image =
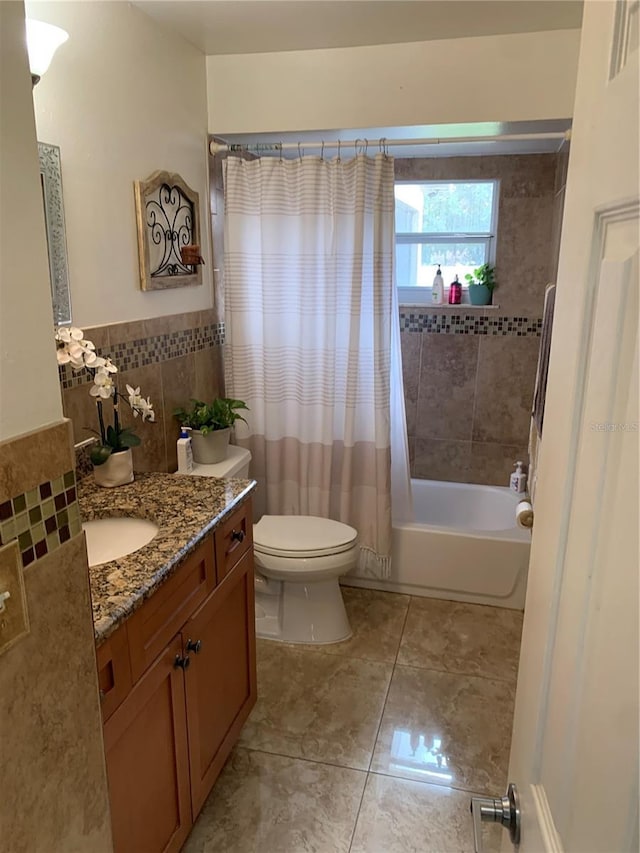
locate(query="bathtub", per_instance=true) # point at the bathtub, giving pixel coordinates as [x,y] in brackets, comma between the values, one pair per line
[463,546]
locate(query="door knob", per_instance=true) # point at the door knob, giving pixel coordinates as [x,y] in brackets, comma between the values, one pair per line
[182,662]
[237,535]
[194,646]
[504,810]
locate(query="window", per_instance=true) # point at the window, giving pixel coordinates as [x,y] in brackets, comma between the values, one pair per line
[451,223]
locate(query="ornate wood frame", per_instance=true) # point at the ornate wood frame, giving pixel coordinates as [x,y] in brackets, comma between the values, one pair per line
[167,217]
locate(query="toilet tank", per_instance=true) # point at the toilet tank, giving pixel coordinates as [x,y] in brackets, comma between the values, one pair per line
[235,465]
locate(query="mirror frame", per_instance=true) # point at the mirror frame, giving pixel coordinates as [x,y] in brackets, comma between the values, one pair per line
[51,181]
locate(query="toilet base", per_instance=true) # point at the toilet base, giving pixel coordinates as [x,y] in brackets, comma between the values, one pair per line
[301,612]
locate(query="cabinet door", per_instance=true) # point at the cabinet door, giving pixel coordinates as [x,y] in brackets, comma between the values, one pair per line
[221,679]
[147,761]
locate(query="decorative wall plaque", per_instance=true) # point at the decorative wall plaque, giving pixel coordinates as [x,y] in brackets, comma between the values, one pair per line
[168,218]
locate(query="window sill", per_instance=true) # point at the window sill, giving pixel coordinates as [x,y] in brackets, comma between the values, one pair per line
[466,306]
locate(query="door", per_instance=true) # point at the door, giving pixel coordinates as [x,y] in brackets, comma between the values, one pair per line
[147,761]
[221,678]
[574,752]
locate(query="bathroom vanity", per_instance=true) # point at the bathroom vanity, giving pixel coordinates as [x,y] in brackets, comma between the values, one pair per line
[175,637]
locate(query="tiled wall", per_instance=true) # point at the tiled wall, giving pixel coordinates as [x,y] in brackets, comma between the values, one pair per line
[469,376]
[171,359]
[51,744]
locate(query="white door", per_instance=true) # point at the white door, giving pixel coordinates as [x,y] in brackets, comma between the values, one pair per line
[574,755]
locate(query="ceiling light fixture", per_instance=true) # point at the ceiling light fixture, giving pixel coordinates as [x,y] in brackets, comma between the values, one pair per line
[42,42]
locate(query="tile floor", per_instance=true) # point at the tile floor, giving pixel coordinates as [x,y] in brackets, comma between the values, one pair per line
[374,745]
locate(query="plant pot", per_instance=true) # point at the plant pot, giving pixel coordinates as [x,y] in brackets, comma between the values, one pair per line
[479,294]
[210,448]
[116,471]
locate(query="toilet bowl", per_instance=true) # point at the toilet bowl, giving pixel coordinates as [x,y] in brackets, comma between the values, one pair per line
[301,558]
[298,560]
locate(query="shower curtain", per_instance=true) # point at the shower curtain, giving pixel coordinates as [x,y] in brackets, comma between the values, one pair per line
[309,304]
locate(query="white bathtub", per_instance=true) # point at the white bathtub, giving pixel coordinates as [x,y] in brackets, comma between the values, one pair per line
[464,546]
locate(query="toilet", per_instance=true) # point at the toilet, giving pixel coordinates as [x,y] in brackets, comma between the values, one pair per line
[299,560]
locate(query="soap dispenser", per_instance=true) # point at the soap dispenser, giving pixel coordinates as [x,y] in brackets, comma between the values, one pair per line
[437,289]
[518,481]
[184,452]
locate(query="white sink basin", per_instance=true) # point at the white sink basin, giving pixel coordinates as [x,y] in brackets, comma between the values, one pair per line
[110,538]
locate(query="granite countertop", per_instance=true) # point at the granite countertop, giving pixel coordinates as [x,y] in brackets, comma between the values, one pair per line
[185,509]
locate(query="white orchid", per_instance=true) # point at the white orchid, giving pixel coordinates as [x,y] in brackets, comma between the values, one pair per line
[73,349]
[80,353]
[139,405]
[103,385]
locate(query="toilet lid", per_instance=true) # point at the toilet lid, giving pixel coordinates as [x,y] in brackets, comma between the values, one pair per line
[302,536]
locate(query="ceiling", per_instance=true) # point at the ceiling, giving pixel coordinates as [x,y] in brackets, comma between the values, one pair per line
[263,26]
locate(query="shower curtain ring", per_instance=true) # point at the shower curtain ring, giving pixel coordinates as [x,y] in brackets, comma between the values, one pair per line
[322,151]
[299,152]
[281,151]
[339,144]
[366,146]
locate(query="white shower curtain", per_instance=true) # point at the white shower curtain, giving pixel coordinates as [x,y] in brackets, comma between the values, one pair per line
[309,304]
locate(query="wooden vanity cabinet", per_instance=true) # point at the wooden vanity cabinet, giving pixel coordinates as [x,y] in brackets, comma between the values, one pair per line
[168,739]
[220,682]
[147,759]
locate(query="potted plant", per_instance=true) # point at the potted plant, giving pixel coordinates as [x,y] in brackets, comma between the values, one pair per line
[481,285]
[210,426]
[112,460]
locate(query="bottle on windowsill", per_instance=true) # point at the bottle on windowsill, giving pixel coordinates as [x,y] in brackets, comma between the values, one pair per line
[437,289]
[455,292]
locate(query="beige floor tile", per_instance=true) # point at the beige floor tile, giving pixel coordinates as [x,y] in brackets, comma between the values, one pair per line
[269,804]
[464,638]
[446,729]
[399,816]
[317,706]
[376,618]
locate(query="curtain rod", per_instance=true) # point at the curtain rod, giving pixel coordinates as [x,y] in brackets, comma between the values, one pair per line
[384,143]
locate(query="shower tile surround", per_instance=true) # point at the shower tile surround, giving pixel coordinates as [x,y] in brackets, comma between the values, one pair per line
[469,374]
[171,358]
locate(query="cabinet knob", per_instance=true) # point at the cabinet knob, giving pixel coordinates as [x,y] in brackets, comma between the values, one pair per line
[194,646]
[237,535]
[182,662]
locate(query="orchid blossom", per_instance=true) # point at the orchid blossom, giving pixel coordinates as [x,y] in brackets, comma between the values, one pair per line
[74,349]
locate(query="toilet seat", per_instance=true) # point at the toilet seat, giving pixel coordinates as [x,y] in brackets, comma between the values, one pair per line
[302,536]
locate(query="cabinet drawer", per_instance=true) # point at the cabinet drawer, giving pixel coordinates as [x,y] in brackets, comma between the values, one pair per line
[114,671]
[152,626]
[233,539]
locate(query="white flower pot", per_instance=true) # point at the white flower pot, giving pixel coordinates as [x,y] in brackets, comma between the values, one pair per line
[210,448]
[116,471]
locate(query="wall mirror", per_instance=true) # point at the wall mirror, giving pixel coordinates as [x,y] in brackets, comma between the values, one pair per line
[51,184]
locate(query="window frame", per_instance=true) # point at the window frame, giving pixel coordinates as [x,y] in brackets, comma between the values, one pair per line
[412,295]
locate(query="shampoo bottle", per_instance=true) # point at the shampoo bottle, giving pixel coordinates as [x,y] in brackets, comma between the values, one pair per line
[455,292]
[437,290]
[518,482]
[185,455]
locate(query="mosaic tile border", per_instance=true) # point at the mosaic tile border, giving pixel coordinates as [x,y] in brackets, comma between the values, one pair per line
[151,350]
[42,519]
[470,324]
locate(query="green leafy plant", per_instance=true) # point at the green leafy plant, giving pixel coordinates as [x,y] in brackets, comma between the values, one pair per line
[220,414]
[483,275]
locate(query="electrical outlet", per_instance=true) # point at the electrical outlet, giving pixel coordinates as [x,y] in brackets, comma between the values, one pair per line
[14,619]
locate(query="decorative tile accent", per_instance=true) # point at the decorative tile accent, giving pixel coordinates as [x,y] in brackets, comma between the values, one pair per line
[151,350]
[470,324]
[41,519]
